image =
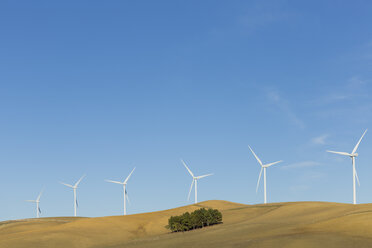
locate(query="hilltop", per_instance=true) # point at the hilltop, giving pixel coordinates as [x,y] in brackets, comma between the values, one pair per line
[293,224]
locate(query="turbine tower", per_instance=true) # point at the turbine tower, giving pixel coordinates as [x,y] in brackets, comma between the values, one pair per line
[263,168]
[37,201]
[194,180]
[124,189]
[74,189]
[353,155]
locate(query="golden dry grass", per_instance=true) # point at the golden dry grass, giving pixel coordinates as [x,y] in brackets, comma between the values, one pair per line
[297,224]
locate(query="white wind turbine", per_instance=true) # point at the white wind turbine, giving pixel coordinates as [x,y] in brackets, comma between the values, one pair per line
[124,189]
[37,201]
[263,168]
[74,188]
[353,155]
[194,180]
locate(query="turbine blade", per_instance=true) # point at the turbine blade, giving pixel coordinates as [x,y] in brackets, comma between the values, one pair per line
[199,177]
[187,168]
[77,183]
[126,195]
[38,198]
[356,175]
[68,185]
[259,178]
[126,180]
[254,154]
[30,200]
[357,145]
[268,165]
[340,153]
[110,181]
[77,204]
[192,184]
[39,210]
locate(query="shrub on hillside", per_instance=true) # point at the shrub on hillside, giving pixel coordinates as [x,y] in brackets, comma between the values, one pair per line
[197,219]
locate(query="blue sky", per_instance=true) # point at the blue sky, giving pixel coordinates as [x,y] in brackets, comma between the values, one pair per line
[100,87]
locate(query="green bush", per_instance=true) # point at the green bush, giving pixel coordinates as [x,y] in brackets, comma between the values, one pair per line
[197,219]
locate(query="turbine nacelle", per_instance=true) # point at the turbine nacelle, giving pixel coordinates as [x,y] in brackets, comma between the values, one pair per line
[263,169]
[37,201]
[74,188]
[353,155]
[268,165]
[124,183]
[194,180]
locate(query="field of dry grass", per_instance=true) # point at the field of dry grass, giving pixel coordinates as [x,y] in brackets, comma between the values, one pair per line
[297,224]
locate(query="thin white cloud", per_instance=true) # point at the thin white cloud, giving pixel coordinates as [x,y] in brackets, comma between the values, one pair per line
[320,140]
[311,176]
[333,98]
[366,52]
[284,106]
[303,164]
[355,81]
[263,14]
[256,20]
[350,101]
[352,89]
[299,188]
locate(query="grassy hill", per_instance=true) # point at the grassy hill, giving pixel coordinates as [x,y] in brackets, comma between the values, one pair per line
[297,224]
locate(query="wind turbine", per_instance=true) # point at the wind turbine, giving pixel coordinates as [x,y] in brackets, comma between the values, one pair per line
[37,201]
[74,188]
[263,168]
[194,180]
[124,189]
[353,155]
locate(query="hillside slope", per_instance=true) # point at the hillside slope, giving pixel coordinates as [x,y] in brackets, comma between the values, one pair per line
[297,224]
